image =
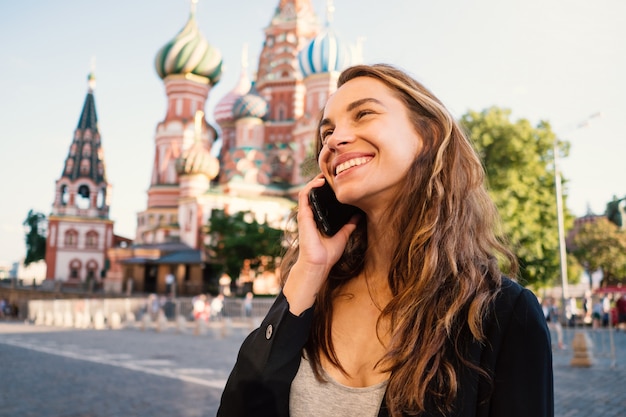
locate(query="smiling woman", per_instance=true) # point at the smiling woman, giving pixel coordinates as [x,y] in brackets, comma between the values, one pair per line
[404,311]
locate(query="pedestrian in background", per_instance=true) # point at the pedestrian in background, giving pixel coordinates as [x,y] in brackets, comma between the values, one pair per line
[620,305]
[247,304]
[551,313]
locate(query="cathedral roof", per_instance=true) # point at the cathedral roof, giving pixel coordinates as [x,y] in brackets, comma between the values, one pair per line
[197,159]
[223,112]
[250,105]
[327,52]
[189,53]
[86,157]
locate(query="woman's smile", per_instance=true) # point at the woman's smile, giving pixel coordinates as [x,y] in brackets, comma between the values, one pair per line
[351,163]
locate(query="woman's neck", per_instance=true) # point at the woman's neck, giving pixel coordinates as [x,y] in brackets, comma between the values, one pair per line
[381,243]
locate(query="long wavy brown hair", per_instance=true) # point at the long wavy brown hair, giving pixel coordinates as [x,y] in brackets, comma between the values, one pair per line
[446,266]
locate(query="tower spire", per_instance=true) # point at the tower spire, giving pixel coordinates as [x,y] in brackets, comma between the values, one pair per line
[330,10]
[91,77]
[244,57]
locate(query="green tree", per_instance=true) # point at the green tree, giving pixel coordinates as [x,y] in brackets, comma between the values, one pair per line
[239,237]
[36,227]
[615,211]
[601,245]
[518,159]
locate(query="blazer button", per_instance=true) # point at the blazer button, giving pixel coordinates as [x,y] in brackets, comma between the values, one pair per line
[268,332]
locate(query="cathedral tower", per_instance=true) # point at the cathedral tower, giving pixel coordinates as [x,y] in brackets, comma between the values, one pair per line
[189,67]
[79,229]
[279,80]
[321,61]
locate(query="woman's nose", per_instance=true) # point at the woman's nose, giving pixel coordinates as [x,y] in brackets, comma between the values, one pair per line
[339,138]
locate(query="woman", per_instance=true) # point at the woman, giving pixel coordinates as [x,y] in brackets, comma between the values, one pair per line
[404,311]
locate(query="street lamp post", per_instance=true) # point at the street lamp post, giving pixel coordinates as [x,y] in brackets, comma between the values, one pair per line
[561,228]
[559,215]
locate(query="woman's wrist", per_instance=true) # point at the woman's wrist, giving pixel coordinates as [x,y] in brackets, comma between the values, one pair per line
[302,285]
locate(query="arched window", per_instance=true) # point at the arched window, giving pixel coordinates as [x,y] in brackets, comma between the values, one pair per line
[65,195]
[75,266]
[83,201]
[91,239]
[85,166]
[92,269]
[71,238]
[101,198]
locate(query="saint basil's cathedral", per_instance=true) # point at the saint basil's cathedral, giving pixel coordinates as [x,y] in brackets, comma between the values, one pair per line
[266,128]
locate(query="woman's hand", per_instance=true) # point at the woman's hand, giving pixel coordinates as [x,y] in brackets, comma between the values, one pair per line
[317,253]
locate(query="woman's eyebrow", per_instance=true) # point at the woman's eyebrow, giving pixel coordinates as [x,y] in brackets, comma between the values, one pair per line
[362,101]
[355,104]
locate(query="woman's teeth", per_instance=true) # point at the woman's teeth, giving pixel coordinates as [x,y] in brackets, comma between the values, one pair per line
[349,164]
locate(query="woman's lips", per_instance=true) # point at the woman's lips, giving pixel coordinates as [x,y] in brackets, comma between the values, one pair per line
[351,163]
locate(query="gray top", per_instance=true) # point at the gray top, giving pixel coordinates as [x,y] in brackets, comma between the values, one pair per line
[309,397]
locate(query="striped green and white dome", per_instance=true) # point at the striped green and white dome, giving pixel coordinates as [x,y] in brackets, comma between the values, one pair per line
[189,53]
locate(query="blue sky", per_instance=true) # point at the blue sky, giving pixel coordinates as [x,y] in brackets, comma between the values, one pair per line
[554,60]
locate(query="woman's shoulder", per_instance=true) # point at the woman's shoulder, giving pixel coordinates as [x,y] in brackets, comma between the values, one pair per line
[515,297]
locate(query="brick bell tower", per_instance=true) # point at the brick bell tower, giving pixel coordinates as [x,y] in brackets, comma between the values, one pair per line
[280,83]
[79,228]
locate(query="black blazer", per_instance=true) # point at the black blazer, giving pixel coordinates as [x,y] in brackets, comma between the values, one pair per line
[517,353]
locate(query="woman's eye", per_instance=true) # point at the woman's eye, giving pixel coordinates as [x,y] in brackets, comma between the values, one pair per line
[325,134]
[362,113]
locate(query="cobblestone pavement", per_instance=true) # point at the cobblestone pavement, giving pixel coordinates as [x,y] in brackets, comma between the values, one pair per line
[180,372]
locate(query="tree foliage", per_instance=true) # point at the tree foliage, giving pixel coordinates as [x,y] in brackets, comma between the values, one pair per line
[518,160]
[36,227]
[601,245]
[238,237]
[615,211]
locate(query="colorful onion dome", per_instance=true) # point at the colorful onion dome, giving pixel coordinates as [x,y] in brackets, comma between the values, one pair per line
[223,112]
[325,53]
[189,53]
[250,105]
[197,160]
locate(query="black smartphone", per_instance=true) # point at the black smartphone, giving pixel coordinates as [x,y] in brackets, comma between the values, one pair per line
[330,215]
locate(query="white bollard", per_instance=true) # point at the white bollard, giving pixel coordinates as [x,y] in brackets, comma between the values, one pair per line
[58,319]
[68,320]
[130,319]
[49,318]
[116,321]
[98,320]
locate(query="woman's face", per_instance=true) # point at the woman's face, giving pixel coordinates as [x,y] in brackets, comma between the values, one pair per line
[369,144]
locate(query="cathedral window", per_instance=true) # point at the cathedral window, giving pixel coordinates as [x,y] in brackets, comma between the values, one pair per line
[85,165]
[75,269]
[101,199]
[87,150]
[91,240]
[83,200]
[92,268]
[71,238]
[65,195]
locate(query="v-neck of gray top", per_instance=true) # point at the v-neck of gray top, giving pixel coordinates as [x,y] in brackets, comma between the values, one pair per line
[310,397]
